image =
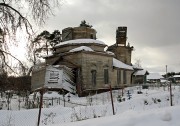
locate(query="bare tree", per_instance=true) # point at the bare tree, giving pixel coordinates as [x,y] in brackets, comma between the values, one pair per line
[138,63]
[15,15]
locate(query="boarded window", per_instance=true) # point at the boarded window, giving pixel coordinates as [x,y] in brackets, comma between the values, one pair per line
[53,77]
[124,77]
[118,77]
[106,76]
[93,72]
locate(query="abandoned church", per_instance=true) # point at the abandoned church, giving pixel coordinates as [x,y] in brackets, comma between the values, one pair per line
[80,62]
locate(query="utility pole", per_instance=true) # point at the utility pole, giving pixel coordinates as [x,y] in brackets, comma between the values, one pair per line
[166,71]
[170,88]
[164,86]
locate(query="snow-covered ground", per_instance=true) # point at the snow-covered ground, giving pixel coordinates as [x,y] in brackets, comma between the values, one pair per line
[152,107]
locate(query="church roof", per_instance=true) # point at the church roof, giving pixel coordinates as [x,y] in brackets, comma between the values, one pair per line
[140,72]
[80,41]
[81,48]
[119,64]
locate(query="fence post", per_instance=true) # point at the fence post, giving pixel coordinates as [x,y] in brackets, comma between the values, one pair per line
[170,88]
[40,105]
[64,99]
[59,100]
[111,99]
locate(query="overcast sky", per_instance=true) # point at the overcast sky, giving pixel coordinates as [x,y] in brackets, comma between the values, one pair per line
[153,27]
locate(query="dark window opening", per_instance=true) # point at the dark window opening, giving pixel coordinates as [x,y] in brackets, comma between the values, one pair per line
[118,77]
[91,36]
[106,76]
[93,73]
[124,77]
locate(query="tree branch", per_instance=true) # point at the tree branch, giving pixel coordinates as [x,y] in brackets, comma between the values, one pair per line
[26,22]
[12,57]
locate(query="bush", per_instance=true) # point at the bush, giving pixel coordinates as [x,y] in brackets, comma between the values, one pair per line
[139,92]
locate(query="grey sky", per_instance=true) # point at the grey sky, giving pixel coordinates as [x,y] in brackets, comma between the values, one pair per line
[153,27]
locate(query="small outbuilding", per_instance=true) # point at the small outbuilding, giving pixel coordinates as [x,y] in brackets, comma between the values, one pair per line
[154,77]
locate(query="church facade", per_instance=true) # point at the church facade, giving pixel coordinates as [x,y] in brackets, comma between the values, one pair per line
[94,69]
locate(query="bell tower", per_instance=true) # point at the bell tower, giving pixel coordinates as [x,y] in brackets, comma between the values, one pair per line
[121,36]
[121,49]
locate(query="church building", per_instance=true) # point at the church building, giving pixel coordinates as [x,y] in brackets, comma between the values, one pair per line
[93,67]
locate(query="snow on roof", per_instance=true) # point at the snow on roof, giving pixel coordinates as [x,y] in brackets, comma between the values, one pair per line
[176,76]
[110,53]
[164,81]
[85,48]
[80,41]
[154,76]
[140,72]
[120,64]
